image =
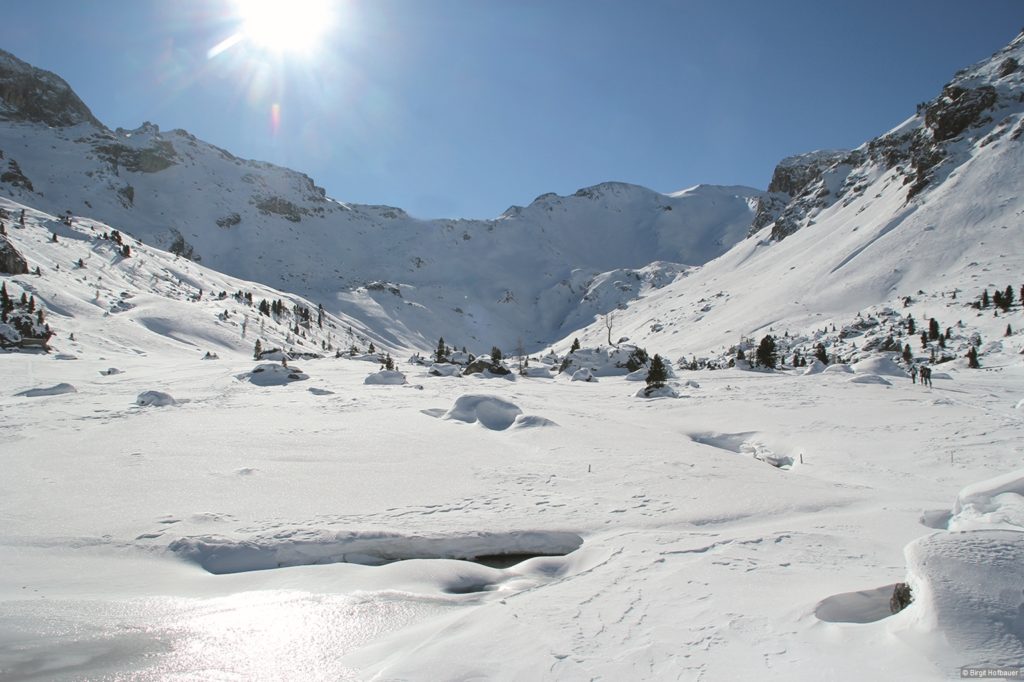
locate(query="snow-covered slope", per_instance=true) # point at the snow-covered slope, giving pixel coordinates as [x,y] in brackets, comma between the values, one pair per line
[98,302]
[931,210]
[477,282]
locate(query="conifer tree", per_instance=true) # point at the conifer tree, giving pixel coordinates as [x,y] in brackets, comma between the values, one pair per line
[657,374]
[933,329]
[820,354]
[924,340]
[908,355]
[495,356]
[1009,330]
[257,350]
[441,354]
[984,298]
[575,346]
[766,352]
[972,358]
[911,329]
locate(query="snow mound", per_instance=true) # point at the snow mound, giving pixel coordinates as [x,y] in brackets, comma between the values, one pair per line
[661,392]
[529,421]
[815,366]
[583,375]
[111,371]
[838,368]
[386,377]
[995,503]
[444,369]
[155,399]
[492,412]
[639,375]
[273,374]
[882,366]
[967,585]
[869,379]
[537,372]
[58,389]
[320,391]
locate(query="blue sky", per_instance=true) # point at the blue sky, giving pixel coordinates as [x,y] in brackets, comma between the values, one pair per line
[460,108]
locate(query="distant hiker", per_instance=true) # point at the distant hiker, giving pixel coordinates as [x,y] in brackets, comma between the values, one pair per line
[913,373]
[926,376]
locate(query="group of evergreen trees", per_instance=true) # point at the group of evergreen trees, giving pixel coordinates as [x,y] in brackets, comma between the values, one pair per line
[28,320]
[1002,300]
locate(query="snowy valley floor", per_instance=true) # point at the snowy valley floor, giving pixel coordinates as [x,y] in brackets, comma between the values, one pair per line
[128,533]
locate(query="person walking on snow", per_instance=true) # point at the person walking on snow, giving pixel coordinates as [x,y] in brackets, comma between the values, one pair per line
[913,373]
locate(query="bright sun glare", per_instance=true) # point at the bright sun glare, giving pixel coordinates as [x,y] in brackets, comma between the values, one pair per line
[295,26]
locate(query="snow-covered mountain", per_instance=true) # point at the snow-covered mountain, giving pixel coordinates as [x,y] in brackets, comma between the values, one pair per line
[930,210]
[530,274]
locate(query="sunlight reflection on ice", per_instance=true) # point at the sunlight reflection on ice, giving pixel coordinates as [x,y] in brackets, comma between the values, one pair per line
[253,635]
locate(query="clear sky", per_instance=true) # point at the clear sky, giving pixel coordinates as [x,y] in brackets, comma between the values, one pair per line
[460,108]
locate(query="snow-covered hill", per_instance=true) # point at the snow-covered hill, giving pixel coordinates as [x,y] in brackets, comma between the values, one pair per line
[931,210]
[526,275]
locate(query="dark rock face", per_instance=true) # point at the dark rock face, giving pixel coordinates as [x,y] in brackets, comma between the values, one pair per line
[957,108]
[793,177]
[14,177]
[901,597]
[11,260]
[153,159]
[38,96]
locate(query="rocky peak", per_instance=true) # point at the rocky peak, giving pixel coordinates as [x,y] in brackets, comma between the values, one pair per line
[38,96]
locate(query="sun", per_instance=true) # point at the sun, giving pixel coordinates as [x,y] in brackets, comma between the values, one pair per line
[285,26]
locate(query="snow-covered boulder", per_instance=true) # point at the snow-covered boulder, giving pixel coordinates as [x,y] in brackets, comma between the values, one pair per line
[444,369]
[273,374]
[386,377]
[660,392]
[537,371]
[838,368]
[58,389]
[111,371]
[639,375]
[869,379]
[155,399]
[489,411]
[584,374]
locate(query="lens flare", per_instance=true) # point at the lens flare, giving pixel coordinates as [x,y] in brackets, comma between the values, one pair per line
[275,118]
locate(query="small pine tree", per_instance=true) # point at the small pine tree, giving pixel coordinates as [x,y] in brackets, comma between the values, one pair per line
[657,375]
[1007,298]
[766,352]
[972,358]
[911,327]
[389,364]
[441,354]
[908,355]
[575,346]
[984,298]
[258,350]
[39,316]
[53,238]
[933,329]
[126,251]
[1009,330]
[924,340]
[370,349]
[495,356]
